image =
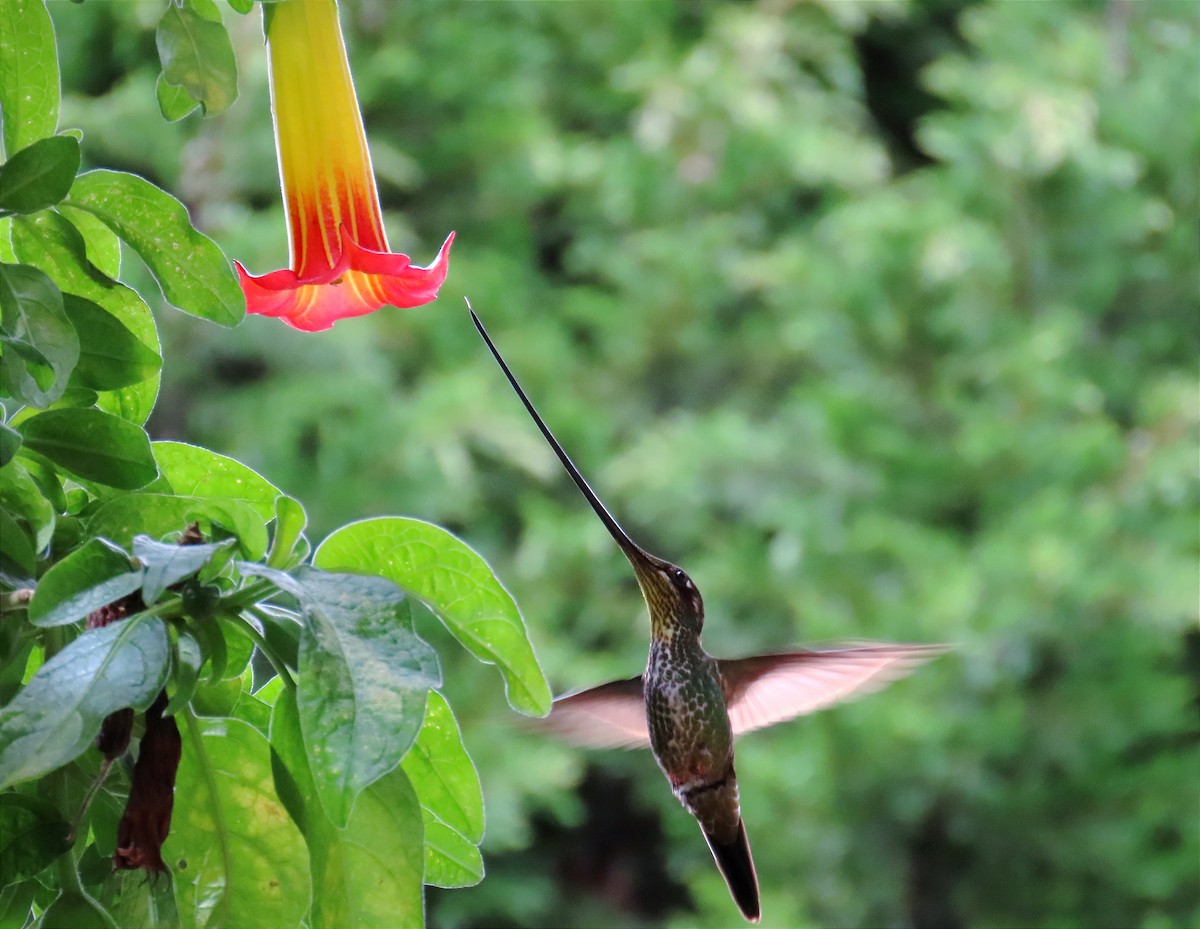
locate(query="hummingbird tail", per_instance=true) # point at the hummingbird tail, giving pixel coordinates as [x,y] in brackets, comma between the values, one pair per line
[737,867]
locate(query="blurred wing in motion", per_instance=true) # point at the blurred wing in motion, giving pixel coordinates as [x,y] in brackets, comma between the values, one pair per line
[769,689]
[612,715]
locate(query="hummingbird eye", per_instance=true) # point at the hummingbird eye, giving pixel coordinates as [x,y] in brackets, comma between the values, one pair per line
[680,578]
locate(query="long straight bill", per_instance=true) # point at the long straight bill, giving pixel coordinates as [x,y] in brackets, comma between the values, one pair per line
[631,548]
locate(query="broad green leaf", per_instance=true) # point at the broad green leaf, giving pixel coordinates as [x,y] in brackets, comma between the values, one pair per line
[103,247]
[40,347]
[236,857]
[25,499]
[166,564]
[453,581]
[451,798]
[241,6]
[39,175]
[191,270]
[363,678]
[29,94]
[110,356]
[59,712]
[17,554]
[290,520]
[368,874]
[32,834]
[197,472]
[49,241]
[161,515]
[93,445]
[174,102]
[196,55]
[10,441]
[93,575]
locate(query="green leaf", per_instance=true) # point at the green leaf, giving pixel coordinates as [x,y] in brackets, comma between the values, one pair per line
[59,712]
[167,564]
[290,520]
[174,102]
[10,441]
[456,584]
[39,175]
[17,554]
[40,347]
[451,798]
[191,270]
[93,445]
[92,576]
[368,874]
[23,496]
[196,55]
[161,515]
[197,472]
[103,248]
[32,834]
[241,6]
[29,95]
[363,678]
[49,241]
[236,857]
[110,356]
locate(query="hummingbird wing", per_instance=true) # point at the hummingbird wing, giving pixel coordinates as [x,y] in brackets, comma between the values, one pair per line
[768,689]
[612,715]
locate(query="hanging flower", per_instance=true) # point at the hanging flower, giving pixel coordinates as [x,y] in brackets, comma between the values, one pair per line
[340,262]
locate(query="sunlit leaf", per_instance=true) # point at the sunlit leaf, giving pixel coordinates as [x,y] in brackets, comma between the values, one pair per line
[236,857]
[94,445]
[29,94]
[197,472]
[368,874]
[451,798]
[191,270]
[456,584]
[161,515]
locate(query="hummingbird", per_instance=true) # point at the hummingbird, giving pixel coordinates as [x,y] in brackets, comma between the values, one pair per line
[687,706]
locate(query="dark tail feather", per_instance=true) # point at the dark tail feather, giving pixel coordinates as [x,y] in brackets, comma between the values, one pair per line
[737,867]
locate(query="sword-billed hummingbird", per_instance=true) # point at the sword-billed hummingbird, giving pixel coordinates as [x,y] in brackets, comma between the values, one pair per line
[687,706]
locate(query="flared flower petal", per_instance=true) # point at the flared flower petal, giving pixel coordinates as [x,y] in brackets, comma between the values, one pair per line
[340,263]
[362,282]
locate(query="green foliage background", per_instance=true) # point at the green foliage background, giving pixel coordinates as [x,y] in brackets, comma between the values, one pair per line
[881,318]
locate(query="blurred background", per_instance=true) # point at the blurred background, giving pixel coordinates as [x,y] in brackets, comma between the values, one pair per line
[880,318]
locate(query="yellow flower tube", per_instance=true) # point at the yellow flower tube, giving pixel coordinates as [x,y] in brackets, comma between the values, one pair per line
[340,264]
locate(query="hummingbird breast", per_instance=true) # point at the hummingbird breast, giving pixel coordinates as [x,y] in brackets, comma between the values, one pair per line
[690,734]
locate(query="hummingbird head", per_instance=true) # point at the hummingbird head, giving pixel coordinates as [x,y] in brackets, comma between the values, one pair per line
[674,601]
